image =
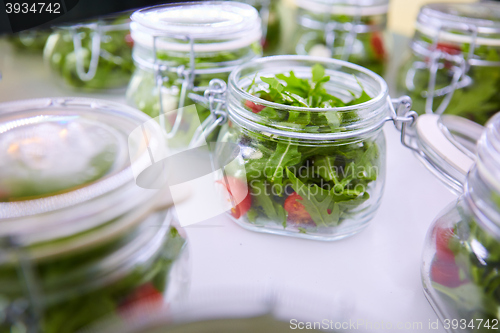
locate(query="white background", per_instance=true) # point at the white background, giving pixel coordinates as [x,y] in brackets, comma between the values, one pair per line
[373,276]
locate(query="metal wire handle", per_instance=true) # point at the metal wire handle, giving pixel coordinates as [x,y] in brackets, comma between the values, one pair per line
[95,52]
[216,97]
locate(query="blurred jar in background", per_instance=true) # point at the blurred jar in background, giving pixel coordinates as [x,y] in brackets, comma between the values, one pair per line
[461,259]
[92,56]
[30,40]
[341,29]
[79,240]
[176,58]
[272,24]
[454,61]
[243,309]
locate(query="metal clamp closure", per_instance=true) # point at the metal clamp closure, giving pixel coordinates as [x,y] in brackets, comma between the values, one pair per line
[436,59]
[95,51]
[216,97]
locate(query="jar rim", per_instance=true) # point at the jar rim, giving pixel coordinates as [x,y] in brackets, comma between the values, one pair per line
[346,7]
[382,95]
[446,19]
[105,24]
[376,109]
[222,25]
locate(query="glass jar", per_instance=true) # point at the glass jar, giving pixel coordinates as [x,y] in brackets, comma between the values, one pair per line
[454,61]
[92,56]
[311,172]
[30,40]
[271,24]
[243,309]
[179,48]
[461,259]
[79,240]
[342,30]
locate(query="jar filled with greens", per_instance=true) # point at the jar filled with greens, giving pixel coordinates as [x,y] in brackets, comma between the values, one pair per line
[342,30]
[30,40]
[270,15]
[454,61]
[461,261]
[79,240]
[310,136]
[179,48]
[92,56]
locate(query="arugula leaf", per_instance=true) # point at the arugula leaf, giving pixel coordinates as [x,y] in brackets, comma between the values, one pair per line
[286,154]
[262,199]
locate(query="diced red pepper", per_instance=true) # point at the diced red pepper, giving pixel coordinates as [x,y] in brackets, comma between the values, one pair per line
[256,108]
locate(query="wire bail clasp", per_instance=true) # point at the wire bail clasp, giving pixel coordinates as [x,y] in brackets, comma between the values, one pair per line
[95,51]
[457,64]
[402,116]
[215,96]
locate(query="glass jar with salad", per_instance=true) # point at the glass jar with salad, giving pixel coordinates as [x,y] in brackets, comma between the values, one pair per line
[79,240]
[310,135]
[346,30]
[454,61]
[461,259]
[30,40]
[179,48]
[271,24]
[93,55]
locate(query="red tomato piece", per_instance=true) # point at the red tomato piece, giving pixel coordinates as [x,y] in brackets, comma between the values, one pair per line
[143,295]
[297,213]
[237,189]
[449,48]
[129,40]
[443,237]
[256,108]
[445,273]
[378,45]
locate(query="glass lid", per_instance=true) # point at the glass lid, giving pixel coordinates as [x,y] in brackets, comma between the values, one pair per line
[345,7]
[446,145]
[488,152]
[206,23]
[66,165]
[458,22]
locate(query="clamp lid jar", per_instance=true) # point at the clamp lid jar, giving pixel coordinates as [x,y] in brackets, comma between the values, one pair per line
[79,240]
[179,48]
[92,55]
[454,65]
[310,134]
[461,261]
[346,30]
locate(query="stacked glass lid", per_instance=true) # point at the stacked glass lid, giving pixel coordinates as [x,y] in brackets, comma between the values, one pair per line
[454,66]
[79,240]
[349,30]
[179,48]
